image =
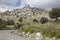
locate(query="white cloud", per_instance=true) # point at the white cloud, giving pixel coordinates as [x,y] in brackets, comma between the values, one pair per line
[5,7]
[32,3]
[42,3]
[8,2]
[37,2]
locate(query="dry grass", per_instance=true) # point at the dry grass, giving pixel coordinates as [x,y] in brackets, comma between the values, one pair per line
[48,29]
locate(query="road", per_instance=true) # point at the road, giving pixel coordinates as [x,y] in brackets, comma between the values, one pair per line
[6,35]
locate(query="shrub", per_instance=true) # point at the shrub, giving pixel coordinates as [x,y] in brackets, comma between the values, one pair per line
[35,20]
[2,24]
[17,16]
[1,21]
[55,13]
[29,28]
[17,26]
[21,19]
[48,29]
[43,20]
[57,34]
[10,22]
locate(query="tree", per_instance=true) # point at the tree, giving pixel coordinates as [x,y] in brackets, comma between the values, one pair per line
[10,22]
[43,20]
[35,20]
[2,24]
[54,13]
[21,19]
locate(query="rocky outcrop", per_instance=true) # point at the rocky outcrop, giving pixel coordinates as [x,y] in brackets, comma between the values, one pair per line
[25,12]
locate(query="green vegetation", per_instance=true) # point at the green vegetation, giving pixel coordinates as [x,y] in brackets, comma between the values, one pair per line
[17,26]
[49,29]
[10,22]
[4,24]
[55,13]
[21,19]
[29,28]
[43,20]
[35,21]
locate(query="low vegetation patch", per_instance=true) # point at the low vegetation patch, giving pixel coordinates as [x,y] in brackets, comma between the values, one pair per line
[48,29]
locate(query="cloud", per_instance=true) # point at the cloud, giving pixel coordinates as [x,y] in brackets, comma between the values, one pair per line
[32,3]
[5,7]
[8,2]
[42,3]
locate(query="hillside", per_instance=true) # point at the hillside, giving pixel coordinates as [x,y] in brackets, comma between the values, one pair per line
[27,14]
[30,20]
[25,11]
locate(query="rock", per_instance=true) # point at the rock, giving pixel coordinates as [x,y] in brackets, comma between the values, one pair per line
[53,38]
[28,34]
[23,33]
[39,36]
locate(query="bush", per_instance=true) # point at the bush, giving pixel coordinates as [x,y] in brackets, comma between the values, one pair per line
[2,24]
[10,22]
[2,21]
[21,19]
[17,26]
[54,13]
[57,34]
[29,28]
[43,20]
[35,20]
[48,29]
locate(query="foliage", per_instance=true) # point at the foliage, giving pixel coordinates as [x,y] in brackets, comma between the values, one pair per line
[29,28]
[17,26]
[21,19]
[2,24]
[10,22]
[55,13]
[43,20]
[48,29]
[35,20]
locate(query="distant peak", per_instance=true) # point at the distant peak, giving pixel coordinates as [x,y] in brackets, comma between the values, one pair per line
[26,6]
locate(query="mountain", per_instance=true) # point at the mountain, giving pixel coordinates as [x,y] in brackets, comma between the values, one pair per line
[26,11]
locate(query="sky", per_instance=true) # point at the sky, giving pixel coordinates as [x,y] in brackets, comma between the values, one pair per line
[32,3]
